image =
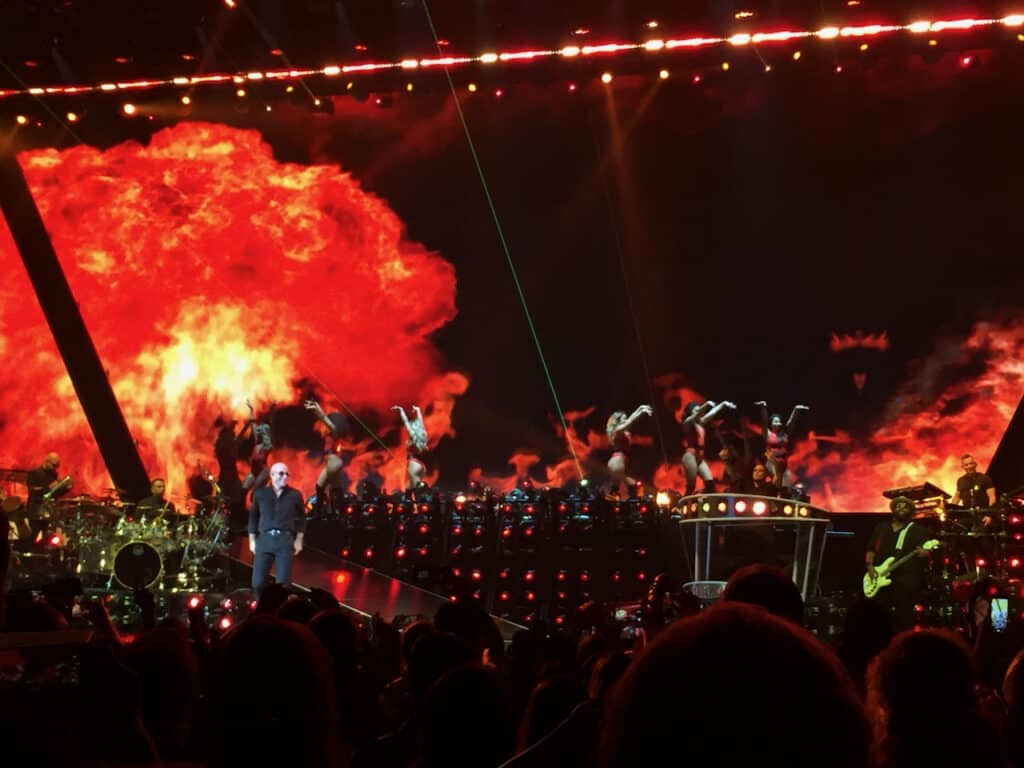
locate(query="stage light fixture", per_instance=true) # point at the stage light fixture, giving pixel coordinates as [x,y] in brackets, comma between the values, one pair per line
[664,74]
[195,601]
[572,87]
[740,507]
[472,88]
[725,66]
[72,117]
[231,4]
[760,508]
[839,69]
[864,47]
[499,93]
[767,67]
[225,622]
[409,87]
[240,93]
[652,24]
[186,100]
[607,77]
[797,55]
[21,120]
[129,109]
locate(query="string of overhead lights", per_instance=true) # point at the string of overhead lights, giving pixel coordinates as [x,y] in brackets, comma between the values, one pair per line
[653,46]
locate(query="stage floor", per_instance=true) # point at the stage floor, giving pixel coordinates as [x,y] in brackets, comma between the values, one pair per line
[361,590]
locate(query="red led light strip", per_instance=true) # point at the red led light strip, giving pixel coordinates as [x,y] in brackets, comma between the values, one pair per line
[570,51]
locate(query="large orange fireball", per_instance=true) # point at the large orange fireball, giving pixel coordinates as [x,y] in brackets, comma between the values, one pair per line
[209,273]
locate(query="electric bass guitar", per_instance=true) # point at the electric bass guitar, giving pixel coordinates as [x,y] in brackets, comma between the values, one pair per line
[884,571]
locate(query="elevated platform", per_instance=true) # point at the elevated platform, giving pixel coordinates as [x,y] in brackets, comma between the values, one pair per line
[361,590]
[742,528]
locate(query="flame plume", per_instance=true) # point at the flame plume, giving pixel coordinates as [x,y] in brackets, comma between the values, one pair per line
[209,273]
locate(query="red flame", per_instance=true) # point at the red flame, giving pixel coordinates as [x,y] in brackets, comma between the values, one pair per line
[925,429]
[208,273]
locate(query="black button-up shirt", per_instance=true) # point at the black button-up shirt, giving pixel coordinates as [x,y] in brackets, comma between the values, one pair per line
[269,510]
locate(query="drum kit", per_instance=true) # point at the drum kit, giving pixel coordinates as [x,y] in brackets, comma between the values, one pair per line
[973,544]
[112,542]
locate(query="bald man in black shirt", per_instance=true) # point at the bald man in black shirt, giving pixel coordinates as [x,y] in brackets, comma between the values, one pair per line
[277,525]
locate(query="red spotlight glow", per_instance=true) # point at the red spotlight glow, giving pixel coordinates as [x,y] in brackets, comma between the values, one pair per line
[476,575]
[424,530]
[741,507]
[981,562]
[503,596]
[966,61]
[759,508]
[1014,519]
[368,553]
[530,575]
[1015,562]
[225,622]
[400,552]
[195,601]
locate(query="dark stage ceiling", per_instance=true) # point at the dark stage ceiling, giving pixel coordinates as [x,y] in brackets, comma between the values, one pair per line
[82,41]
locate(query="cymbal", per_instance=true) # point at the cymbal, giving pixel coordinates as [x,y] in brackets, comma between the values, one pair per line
[81,500]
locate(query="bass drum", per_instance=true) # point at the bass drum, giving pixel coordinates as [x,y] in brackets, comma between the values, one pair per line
[138,565]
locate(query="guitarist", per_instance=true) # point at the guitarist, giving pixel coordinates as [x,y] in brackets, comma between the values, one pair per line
[896,537]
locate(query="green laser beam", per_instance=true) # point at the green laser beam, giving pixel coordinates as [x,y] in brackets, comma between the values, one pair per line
[505,249]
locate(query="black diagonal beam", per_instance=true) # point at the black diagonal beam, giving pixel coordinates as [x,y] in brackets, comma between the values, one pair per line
[1007,467]
[73,341]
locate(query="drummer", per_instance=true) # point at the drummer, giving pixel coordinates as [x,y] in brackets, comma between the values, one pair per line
[155,505]
[974,489]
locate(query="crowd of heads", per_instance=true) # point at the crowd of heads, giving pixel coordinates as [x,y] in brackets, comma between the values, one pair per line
[303,682]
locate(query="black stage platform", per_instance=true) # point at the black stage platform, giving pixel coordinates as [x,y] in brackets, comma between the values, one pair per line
[362,591]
